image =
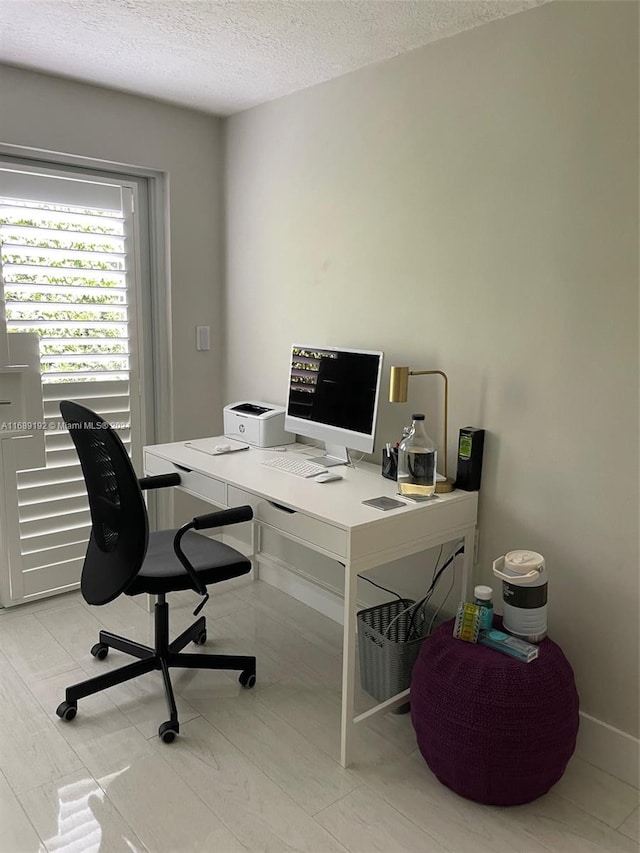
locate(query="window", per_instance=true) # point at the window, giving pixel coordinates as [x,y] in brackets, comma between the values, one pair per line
[69,269]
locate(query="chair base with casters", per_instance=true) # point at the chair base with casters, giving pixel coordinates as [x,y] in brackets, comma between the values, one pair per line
[124,557]
[165,655]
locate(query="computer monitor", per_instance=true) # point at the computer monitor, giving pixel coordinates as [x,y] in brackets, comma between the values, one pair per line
[333,397]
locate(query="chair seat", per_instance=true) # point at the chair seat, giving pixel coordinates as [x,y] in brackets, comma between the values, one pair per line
[162,572]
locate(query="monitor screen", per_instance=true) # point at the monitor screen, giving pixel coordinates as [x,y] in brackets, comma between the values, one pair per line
[333,397]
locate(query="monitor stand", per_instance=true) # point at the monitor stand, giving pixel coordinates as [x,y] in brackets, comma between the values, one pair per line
[336,455]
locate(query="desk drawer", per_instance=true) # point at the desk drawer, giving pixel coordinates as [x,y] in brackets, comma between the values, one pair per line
[201,485]
[296,524]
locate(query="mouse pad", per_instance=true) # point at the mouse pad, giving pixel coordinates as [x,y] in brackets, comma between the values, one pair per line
[384,503]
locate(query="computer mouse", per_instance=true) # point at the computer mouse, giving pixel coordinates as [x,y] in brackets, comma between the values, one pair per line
[222,448]
[327,477]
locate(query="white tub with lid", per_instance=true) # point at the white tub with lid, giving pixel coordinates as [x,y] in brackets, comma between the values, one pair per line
[524,594]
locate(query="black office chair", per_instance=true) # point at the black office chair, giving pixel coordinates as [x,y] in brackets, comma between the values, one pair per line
[124,557]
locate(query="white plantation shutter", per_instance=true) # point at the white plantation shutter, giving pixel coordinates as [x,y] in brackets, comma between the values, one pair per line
[52,504]
[68,264]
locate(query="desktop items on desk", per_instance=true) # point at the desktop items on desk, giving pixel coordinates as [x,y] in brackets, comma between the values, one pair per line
[390,461]
[333,397]
[327,477]
[411,464]
[471,439]
[398,393]
[417,462]
[470,449]
[256,423]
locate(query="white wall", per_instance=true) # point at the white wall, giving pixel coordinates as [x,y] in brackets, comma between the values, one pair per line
[473,206]
[72,118]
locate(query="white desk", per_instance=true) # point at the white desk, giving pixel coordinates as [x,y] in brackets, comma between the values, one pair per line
[330,519]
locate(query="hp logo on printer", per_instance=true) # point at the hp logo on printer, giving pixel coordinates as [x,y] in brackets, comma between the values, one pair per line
[241,427]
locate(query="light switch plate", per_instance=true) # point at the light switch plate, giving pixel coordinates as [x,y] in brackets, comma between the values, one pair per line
[203,338]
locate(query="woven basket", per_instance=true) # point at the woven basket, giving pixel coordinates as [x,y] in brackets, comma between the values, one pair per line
[386,654]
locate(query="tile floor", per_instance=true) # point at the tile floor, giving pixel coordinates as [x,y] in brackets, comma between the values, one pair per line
[252,770]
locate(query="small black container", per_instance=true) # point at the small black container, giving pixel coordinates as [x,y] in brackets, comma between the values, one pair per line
[470,448]
[390,463]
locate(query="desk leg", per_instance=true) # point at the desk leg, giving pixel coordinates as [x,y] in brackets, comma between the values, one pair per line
[255,549]
[347,730]
[467,565]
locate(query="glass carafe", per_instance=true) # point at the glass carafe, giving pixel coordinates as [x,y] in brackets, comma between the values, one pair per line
[417,462]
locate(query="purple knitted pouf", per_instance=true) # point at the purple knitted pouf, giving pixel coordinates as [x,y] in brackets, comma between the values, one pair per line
[491,728]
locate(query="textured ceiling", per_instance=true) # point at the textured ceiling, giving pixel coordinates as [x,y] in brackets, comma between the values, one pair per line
[223,56]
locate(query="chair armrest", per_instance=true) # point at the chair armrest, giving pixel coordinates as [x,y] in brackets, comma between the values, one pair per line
[205,522]
[235,515]
[159,481]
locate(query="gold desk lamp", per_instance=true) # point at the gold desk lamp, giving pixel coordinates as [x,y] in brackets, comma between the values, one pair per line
[398,390]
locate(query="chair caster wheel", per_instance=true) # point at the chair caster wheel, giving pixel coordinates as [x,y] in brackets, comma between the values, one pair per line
[201,639]
[67,710]
[247,679]
[168,731]
[100,651]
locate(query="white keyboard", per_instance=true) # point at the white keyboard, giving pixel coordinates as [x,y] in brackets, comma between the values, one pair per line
[294,466]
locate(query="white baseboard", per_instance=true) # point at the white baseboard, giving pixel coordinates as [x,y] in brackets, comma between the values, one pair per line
[610,749]
[602,745]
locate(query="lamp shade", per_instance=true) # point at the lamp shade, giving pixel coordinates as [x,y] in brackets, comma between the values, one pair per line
[398,384]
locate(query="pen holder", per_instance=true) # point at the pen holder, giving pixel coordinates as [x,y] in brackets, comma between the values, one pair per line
[390,464]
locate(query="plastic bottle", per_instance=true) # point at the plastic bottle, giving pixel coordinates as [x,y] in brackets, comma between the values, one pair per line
[524,594]
[483,597]
[417,462]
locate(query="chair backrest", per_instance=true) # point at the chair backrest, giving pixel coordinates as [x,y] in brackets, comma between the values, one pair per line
[119,523]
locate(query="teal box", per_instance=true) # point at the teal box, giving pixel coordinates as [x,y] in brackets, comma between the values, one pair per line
[508,645]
